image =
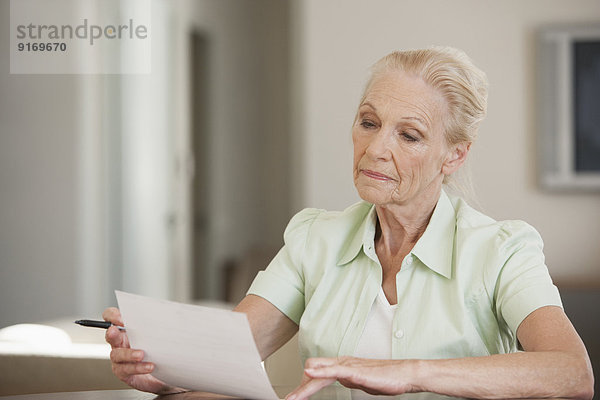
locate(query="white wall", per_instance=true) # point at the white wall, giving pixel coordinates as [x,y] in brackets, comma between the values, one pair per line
[65,241]
[337,40]
[38,191]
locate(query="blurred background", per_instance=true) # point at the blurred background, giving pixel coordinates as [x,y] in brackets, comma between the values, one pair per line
[179,184]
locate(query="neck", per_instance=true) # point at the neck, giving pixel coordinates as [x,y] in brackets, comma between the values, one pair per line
[400,226]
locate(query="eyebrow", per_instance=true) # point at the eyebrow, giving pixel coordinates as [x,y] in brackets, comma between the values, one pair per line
[420,120]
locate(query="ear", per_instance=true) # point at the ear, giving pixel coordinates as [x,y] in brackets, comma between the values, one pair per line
[457,155]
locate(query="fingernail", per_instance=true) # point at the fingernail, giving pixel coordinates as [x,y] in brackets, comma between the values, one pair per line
[148,367]
[138,354]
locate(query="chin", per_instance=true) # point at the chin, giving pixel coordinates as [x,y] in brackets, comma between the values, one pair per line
[373,195]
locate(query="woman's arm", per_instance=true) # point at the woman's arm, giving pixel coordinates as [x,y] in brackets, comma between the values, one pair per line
[554,364]
[270,327]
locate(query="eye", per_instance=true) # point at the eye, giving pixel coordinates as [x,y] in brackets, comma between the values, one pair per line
[368,124]
[409,138]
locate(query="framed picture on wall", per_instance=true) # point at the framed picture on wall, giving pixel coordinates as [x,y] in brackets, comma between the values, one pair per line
[568,72]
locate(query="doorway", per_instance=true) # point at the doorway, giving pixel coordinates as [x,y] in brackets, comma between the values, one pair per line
[200,201]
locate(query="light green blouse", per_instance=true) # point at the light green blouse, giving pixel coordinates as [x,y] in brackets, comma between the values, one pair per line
[462,291]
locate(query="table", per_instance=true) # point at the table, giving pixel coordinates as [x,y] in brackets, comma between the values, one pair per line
[328,393]
[127,394]
[130,394]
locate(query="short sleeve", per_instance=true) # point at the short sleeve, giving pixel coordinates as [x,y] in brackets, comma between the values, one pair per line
[282,282]
[524,283]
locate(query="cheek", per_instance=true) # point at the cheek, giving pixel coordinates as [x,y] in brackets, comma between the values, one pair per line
[413,164]
[407,161]
[356,159]
[359,149]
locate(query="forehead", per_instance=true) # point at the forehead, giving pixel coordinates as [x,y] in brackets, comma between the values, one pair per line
[400,95]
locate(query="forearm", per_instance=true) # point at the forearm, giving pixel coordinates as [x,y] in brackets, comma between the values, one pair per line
[517,375]
[270,327]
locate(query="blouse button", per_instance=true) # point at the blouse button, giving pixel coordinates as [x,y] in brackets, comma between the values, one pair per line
[409,260]
[399,334]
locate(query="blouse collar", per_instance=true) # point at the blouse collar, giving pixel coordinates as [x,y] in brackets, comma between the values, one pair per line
[434,248]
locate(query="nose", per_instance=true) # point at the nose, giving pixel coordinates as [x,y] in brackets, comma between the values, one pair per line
[379,145]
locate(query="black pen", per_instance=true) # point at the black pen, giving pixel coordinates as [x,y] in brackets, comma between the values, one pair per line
[97,324]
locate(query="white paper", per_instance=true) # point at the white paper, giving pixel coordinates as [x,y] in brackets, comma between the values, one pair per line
[197,348]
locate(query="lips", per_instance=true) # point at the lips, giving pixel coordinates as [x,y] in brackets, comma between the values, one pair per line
[376,175]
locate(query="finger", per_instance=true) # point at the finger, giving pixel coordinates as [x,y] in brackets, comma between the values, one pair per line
[333,371]
[316,362]
[309,388]
[124,371]
[112,314]
[121,355]
[116,337]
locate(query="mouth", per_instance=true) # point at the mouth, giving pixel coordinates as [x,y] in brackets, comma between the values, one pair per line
[376,175]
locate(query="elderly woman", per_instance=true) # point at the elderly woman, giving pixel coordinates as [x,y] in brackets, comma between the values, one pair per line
[410,290]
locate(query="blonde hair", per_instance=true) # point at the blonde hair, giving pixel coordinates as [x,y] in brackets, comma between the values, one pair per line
[452,73]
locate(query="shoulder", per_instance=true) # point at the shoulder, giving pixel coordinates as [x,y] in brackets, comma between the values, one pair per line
[499,253]
[506,234]
[327,233]
[318,221]
[488,249]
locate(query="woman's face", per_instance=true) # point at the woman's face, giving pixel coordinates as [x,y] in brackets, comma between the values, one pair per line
[400,150]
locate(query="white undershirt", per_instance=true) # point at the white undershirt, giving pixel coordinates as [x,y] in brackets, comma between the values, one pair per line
[376,339]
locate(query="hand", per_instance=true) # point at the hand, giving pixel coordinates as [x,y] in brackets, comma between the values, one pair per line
[387,377]
[127,363]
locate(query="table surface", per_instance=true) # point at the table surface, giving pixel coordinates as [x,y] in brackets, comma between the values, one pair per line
[329,393]
[129,394]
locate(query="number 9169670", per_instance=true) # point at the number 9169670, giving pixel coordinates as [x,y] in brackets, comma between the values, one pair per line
[43,46]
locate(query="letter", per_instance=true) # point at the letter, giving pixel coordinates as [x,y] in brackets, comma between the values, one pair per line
[121,27]
[85,30]
[41,29]
[65,27]
[141,32]
[130,28]
[53,32]
[95,33]
[20,31]
[31,26]
[108,30]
